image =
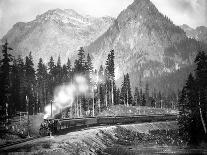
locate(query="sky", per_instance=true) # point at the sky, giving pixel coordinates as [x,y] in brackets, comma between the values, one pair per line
[191,12]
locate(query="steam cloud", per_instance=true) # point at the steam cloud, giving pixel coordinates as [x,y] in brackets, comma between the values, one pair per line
[64,95]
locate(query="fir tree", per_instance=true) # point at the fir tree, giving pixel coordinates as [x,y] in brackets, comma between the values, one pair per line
[89,68]
[51,76]
[136,97]
[69,70]
[58,72]
[5,91]
[80,64]
[30,83]
[129,93]
[22,84]
[41,85]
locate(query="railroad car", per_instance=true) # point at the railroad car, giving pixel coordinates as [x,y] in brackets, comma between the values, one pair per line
[56,125]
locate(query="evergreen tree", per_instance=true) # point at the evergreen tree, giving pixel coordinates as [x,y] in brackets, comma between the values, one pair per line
[30,83]
[123,95]
[89,68]
[136,97]
[65,74]
[143,100]
[147,94]
[201,76]
[41,85]
[80,64]
[5,91]
[109,73]
[192,104]
[22,83]
[58,72]
[51,77]
[69,70]
[117,97]
[129,93]
[101,87]
[15,88]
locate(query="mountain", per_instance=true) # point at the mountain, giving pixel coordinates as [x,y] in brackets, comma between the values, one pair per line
[56,32]
[147,44]
[200,33]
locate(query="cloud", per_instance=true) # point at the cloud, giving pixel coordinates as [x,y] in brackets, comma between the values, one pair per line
[191,12]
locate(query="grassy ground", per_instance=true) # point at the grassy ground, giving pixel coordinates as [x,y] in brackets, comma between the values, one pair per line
[17,129]
[121,110]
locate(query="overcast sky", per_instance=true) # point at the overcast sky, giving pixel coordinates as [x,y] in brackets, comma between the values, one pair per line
[191,12]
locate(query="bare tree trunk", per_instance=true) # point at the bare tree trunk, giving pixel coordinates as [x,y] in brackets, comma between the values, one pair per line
[106,100]
[127,100]
[77,111]
[112,94]
[201,115]
[80,108]
[93,104]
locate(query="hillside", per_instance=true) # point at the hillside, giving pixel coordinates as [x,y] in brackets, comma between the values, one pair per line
[199,33]
[146,43]
[56,32]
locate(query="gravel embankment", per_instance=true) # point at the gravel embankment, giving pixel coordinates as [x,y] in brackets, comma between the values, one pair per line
[96,140]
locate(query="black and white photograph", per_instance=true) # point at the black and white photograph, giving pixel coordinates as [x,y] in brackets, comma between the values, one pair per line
[103,77]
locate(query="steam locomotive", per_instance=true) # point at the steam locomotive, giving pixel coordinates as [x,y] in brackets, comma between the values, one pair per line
[54,126]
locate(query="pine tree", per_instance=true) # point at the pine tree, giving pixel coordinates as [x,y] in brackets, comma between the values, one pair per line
[89,68]
[136,97]
[80,64]
[143,100]
[101,87]
[30,83]
[129,93]
[192,104]
[123,95]
[51,77]
[147,94]
[41,85]
[110,76]
[69,70]
[15,88]
[5,91]
[65,74]
[58,72]
[22,84]
[201,76]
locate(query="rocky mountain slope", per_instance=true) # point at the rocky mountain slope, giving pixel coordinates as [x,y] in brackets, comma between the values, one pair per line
[146,43]
[199,33]
[56,32]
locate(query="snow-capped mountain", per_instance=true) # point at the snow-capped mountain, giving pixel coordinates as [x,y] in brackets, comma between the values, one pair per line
[199,33]
[56,32]
[146,44]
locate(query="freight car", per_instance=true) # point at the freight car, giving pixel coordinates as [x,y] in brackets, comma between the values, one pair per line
[57,125]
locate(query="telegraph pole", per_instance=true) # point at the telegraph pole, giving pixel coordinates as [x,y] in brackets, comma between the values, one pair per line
[27,100]
[51,108]
[112,93]
[93,101]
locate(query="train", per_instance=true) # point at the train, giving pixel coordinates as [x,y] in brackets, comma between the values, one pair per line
[55,126]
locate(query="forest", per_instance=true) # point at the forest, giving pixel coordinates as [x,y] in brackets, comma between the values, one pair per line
[28,89]
[193,104]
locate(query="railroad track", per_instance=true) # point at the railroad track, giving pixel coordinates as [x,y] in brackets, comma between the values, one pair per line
[4,147]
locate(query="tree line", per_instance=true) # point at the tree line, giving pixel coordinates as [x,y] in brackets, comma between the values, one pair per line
[19,79]
[193,104]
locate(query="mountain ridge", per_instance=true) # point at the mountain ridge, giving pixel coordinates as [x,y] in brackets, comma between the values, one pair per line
[146,43]
[56,32]
[199,33]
